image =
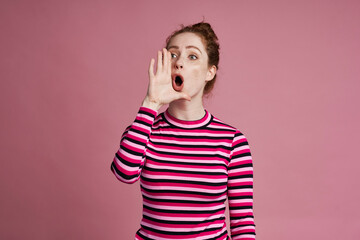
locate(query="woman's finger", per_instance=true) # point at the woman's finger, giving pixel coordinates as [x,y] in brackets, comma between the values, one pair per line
[165,59]
[168,68]
[180,95]
[184,96]
[159,62]
[151,68]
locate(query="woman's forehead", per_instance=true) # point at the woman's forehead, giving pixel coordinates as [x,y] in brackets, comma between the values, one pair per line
[187,39]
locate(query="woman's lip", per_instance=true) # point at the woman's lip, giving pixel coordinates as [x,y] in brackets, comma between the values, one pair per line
[175,86]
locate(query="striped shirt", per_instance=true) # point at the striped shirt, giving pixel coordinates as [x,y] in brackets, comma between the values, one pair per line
[187,169]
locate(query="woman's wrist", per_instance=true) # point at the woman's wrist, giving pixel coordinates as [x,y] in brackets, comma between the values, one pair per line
[148,103]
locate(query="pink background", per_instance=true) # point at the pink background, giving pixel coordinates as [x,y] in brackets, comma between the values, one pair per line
[73,74]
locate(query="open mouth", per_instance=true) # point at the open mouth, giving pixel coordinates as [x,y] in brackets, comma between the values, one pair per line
[178,82]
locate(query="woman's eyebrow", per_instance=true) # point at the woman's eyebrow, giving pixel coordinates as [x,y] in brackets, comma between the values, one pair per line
[190,46]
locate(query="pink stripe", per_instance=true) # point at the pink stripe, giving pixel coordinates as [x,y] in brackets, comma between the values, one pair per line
[179,204]
[186,175]
[168,225]
[172,157]
[189,195]
[157,137]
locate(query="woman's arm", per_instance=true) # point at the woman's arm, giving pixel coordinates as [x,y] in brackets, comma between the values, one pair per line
[130,158]
[240,189]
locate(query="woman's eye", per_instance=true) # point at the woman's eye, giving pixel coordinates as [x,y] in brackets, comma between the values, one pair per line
[193,57]
[173,55]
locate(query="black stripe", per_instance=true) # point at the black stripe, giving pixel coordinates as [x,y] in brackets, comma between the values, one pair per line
[222,234]
[241,176]
[188,154]
[241,225]
[241,155]
[142,122]
[240,197]
[241,187]
[139,132]
[142,236]
[238,134]
[243,233]
[185,211]
[224,124]
[187,181]
[182,222]
[147,113]
[185,172]
[184,192]
[129,164]
[130,151]
[127,177]
[190,137]
[241,207]
[242,217]
[241,166]
[135,141]
[241,144]
[190,146]
[183,201]
[215,130]
[207,164]
[181,233]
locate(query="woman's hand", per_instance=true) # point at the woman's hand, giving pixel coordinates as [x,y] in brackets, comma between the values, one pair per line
[160,90]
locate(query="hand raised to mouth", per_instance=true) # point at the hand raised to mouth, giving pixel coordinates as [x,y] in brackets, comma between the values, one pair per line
[162,88]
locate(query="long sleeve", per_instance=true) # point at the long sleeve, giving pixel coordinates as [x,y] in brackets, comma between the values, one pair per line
[240,189]
[130,158]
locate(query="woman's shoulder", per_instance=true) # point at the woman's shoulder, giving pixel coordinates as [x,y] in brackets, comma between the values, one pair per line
[220,123]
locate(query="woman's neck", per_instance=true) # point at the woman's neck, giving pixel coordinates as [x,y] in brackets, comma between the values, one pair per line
[187,110]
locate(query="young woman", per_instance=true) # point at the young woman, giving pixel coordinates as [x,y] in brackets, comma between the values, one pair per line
[187,160]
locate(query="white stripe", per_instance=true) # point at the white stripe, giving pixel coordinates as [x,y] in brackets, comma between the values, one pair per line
[244,228]
[130,156]
[240,211]
[187,142]
[198,238]
[218,207]
[121,165]
[241,170]
[175,229]
[179,159]
[223,197]
[185,151]
[137,147]
[195,133]
[242,236]
[243,190]
[171,177]
[142,115]
[135,134]
[172,188]
[245,200]
[192,218]
[241,159]
[123,179]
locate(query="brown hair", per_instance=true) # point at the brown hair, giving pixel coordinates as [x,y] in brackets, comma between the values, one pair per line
[205,31]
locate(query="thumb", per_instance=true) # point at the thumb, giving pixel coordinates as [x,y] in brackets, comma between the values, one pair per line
[184,96]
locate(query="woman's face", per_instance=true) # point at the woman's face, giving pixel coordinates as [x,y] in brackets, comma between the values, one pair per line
[190,62]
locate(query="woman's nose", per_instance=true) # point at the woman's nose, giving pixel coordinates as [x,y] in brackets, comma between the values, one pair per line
[179,64]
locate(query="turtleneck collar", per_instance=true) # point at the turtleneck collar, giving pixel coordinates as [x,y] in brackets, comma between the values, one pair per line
[188,124]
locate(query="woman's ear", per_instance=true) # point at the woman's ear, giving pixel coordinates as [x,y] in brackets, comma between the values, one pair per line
[211,73]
